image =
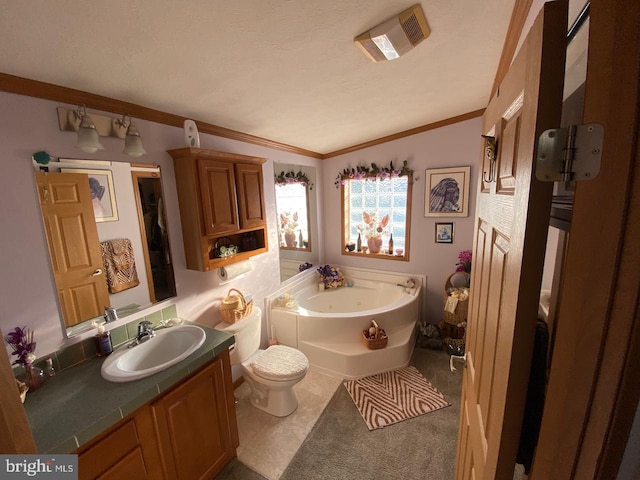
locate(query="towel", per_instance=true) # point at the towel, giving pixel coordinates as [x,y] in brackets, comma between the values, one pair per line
[451,305]
[119,264]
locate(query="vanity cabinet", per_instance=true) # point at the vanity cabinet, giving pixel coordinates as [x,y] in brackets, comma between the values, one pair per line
[127,451]
[221,198]
[195,433]
[188,432]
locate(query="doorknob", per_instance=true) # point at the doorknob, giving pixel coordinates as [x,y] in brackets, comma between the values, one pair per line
[97,272]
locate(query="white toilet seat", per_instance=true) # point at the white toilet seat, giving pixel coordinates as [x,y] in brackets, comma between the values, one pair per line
[280,363]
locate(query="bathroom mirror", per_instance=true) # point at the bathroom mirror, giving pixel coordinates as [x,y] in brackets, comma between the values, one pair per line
[292,202]
[120,253]
[296,207]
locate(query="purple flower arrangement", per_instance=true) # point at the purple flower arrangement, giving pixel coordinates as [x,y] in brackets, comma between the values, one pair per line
[330,276]
[21,341]
[304,266]
[464,261]
[293,177]
[363,172]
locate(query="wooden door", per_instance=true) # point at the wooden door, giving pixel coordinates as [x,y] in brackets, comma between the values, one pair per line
[203,449]
[72,237]
[593,395]
[250,196]
[511,225]
[218,195]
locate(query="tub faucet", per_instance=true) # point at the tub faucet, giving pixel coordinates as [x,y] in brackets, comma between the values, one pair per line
[144,333]
[408,285]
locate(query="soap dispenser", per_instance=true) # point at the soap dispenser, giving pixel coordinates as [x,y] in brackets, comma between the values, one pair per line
[104,346]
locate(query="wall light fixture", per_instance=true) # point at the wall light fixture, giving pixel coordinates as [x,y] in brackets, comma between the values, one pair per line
[90,128]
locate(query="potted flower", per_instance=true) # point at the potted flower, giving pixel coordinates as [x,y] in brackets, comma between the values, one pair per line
[463,269]
[330,277]
[288,226]
[373,230]
[24,347]
[464,261]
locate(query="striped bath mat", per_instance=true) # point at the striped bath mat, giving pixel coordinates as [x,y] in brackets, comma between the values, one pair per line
[390,397]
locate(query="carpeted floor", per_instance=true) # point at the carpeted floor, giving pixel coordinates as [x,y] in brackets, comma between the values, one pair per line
[340,446]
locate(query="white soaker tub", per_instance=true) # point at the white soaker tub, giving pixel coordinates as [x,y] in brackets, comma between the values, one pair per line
[327,325]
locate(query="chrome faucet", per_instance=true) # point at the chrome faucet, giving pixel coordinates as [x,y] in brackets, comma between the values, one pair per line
[408,285]
[144,333]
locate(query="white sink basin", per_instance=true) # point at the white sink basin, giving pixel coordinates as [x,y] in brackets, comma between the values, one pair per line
[167,348]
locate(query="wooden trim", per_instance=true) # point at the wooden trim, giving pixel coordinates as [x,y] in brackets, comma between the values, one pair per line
[56,93]
[345,215]
[585,428]
[143,230]
[519,16]
[214,155]
[407,133]
[15,432]
[47,91]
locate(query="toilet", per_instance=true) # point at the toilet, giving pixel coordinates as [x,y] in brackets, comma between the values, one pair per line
[271,373]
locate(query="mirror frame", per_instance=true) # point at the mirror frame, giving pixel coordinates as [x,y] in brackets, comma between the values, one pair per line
[126,310]
[308,248]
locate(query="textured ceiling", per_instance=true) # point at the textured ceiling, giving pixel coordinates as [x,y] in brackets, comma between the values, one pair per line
[286,71]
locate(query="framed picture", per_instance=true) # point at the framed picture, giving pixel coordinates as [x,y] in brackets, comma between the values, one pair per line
[446,192]
[102,193]
[444,232]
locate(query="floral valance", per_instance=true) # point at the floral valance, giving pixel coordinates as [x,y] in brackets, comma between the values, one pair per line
[363,172]
[293,177]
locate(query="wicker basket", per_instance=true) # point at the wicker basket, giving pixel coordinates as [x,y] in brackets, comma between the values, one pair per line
[460,314]
[379,340]
[234,308]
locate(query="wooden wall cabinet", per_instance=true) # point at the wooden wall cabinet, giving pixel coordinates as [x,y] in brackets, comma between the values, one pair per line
[221,198]
[188,432]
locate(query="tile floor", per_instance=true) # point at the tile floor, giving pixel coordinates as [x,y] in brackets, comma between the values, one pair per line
[268,443]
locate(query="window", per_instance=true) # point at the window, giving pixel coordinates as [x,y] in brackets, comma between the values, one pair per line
[377,209]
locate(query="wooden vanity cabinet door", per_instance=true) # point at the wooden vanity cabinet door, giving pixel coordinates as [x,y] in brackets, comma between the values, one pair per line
[218,196]
[193,426]
[250,195]
[126,451]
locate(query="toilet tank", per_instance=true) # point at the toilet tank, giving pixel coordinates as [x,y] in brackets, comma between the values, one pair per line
[247,333]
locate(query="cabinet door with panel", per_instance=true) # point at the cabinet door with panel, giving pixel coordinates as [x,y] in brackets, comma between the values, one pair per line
[221,197]
[218,194]
[127,451]
[196,427]
[250,195]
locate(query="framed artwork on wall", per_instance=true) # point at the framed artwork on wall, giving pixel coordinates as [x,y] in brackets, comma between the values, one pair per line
[447,192]
[102,193]
[444,232]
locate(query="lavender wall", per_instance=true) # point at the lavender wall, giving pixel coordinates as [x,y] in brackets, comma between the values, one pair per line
[28,293]
[26,281]
[451,146]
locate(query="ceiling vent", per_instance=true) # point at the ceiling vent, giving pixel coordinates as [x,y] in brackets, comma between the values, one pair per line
[394,37]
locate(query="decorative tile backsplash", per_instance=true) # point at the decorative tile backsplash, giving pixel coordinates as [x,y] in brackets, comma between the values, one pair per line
[74,354]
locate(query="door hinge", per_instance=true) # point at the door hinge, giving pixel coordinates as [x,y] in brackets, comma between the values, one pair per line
[569,154]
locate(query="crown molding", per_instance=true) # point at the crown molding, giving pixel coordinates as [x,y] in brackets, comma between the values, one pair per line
[519,16]
[407,133]
[47,91]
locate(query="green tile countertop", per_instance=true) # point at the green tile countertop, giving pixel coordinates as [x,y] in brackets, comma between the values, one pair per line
[78,404]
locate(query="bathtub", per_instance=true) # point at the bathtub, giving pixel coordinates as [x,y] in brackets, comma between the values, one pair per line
[327,325]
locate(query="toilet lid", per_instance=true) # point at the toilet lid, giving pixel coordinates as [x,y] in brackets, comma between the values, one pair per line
[280,362]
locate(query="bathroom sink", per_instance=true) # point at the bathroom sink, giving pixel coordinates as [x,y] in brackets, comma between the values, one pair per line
[167,348]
